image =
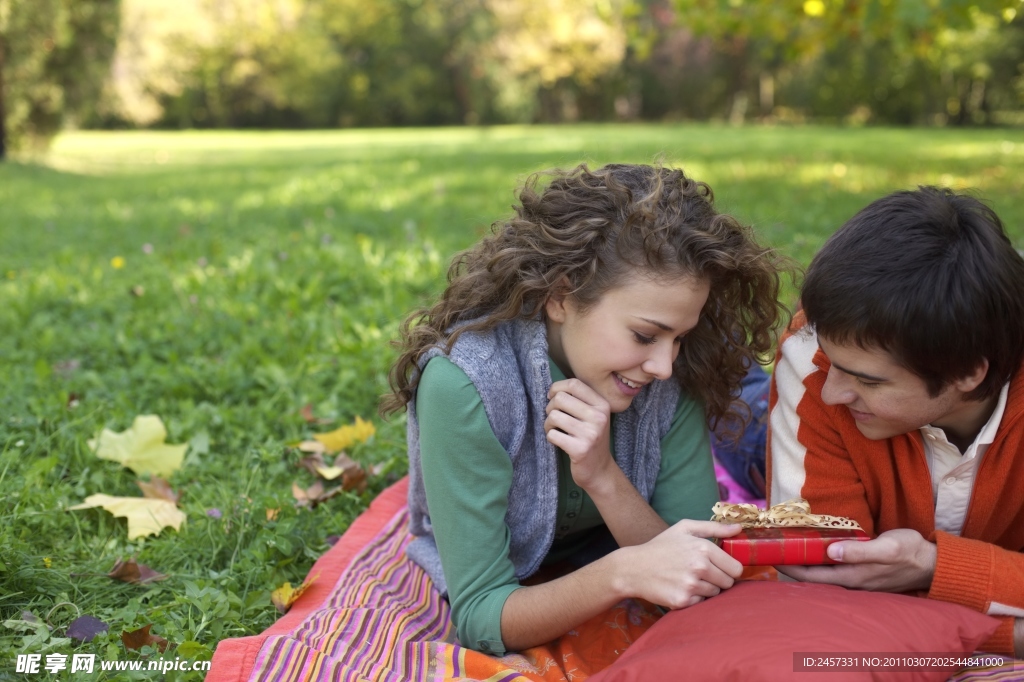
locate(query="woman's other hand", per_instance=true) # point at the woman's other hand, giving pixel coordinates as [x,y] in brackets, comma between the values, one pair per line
[578,422]
[681,566]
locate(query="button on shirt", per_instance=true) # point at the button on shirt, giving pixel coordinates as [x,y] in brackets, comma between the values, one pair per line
[953,472]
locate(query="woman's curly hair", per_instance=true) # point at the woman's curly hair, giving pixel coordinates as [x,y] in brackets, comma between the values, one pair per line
[595,230]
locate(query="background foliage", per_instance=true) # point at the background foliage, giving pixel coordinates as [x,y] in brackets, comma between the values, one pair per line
[343,63]
[225,280]
[55,58]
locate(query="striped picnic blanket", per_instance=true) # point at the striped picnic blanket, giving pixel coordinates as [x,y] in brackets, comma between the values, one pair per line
[372,615]
[381,620]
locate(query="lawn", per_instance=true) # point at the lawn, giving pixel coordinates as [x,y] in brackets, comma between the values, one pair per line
[244,287]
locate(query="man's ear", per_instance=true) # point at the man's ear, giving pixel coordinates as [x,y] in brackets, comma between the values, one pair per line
[555,307]
[973,380]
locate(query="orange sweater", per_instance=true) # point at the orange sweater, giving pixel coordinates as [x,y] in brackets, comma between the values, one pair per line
[816,451]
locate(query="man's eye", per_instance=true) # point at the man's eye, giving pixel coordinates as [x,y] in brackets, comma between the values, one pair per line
[867,384]
[646,340]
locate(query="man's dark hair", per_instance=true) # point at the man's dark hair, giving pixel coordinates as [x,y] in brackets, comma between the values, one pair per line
[929,276]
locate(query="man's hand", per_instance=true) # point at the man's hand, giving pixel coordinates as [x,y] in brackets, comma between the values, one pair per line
[898,560]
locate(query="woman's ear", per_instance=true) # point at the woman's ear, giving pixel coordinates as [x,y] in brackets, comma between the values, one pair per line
[554,308]
[973,380]
[557,300]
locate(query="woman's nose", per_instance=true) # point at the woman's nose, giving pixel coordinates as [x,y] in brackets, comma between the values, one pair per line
[659,363]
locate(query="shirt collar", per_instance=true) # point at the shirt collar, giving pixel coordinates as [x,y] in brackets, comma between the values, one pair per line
[988,431]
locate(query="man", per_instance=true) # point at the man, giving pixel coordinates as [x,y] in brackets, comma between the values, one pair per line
[898,401]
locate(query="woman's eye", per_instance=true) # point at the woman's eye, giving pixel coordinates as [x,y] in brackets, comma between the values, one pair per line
[646,340]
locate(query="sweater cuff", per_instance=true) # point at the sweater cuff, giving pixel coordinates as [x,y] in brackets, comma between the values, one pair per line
[1001,641]
[963,572]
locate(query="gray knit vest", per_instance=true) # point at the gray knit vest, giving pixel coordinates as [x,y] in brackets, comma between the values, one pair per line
[509,367]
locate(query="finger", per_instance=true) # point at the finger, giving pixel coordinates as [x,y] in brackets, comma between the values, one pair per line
[563,422]
[845,552]
[693,600]
[724,570]
[710,529]
[569,404]
[576,388]
[794,572]
[881,550]
[827,575]
[561,440]
[706,589]
[576,407]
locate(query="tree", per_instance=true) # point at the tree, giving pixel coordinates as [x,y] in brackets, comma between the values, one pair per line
[808,26]
[54,59]
[902,60]
[544,51]
[3,52]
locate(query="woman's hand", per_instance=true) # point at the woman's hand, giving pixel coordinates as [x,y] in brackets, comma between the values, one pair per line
[677,568]
[578,422]
[680,567]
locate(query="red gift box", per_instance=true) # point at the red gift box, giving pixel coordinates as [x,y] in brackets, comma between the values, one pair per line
[788,546]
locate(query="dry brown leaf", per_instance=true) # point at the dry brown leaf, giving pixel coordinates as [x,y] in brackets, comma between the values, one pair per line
[353,476]
[313,495]
[286,595]
[158,489]
[312,462]
[136,639]
[307,414]
[132,572]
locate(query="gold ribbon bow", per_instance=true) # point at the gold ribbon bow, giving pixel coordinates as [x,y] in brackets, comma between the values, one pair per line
[795,512]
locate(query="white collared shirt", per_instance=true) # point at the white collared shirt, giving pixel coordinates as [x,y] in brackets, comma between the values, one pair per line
[953,472]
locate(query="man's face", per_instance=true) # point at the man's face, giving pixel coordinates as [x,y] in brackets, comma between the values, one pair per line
[886,399]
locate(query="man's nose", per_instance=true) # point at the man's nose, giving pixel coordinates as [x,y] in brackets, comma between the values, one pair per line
[838,388]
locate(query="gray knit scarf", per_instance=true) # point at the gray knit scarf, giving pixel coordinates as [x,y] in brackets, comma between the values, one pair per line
[509,367]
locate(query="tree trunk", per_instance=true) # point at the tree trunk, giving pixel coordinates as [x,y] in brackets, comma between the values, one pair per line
[3,111]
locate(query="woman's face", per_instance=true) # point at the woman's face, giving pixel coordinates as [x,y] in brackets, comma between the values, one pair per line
[629,338]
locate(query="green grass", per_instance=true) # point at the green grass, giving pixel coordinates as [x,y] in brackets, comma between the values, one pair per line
[273,268]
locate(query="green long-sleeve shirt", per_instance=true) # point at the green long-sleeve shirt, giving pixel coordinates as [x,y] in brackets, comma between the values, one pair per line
[467,475]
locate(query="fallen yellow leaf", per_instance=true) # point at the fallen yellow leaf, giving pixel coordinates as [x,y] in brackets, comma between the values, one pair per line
[286,595]
[330,473]
[346,436]
[145,516]
[141,448]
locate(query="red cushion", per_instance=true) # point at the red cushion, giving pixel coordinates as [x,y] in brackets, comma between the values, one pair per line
[752,631]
